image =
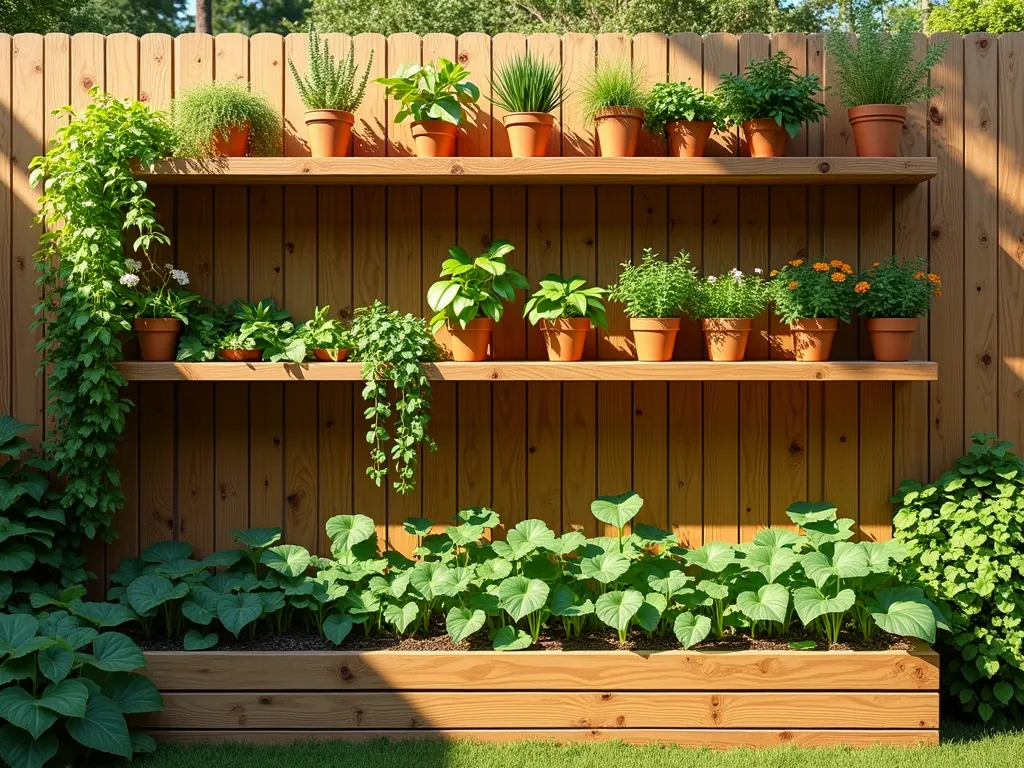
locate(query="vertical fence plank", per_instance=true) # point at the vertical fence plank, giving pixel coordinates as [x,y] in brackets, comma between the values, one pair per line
[7,199]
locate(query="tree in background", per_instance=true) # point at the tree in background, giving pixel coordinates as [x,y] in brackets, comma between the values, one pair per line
[104,16]
[252,16]
[964,16]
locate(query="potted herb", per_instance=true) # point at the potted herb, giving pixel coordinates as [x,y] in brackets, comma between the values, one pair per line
[433,95]
[469,298]
[812,299]
[877,78]
[224,120]
[771,101]
[324,337]
[727,305]
[160,307]
[687,115]
[892,294]
[242,332]
[613,99]
[528,89]
[654,292]
[331,94]
[565,310]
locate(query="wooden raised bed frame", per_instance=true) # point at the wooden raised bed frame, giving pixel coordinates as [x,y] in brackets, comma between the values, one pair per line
[718,699]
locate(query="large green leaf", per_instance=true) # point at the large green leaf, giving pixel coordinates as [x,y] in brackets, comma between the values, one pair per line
[804,512]
[164,552]
[770,562]
[16,556]
[649,615]
[257,538]
[132,693]
[225,558]
[103,728]
[465,534]
[567,543]
[238,611]
[401,616]
[463,622]
[149,592]
[811,602]
[431,580]
[617,510]
[617,609]
[201,607]
[18,707]
[16,629]
[769,603]
[900,612]
[142,743]
[56,662]
[714,557]
[521,596]
[20,750]
[67,698]
[565,601]
[345,531]
[199,641]
[493,569]
[776,537]
[483,516]
[103,615]
[604,568]
[690,629]
[417,526]
[842,559]
[15,670]
[509,638]
[668,584]
[114,652]
[527,537]
[288,559]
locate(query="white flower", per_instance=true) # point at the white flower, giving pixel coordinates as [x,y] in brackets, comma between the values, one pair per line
[132,265]
[168,266]
[129,280]
[180,276]
[712,279]
[757,270]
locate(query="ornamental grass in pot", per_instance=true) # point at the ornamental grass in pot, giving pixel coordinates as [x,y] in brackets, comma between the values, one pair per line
[892,295]
[528,89]
[613,99]
[812,298]
[727,305]
[686,115]
[877,77]
[433,95]
[160,307]
[771,102]
[566,311]
[654,293]
[470,298]
[225,120]
[331,92]
[324,338]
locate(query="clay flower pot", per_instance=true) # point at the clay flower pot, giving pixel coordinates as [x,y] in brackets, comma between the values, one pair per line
[235,145]
[242,355]
[618,129]
[654,337]
[528,132]
[726,338]
[158,337]
[330,355]
[892,337]
[765,137]
[812,338]
[688,138]
[329,132]
[471,344]
[434,138]
[877,129]
[565,338]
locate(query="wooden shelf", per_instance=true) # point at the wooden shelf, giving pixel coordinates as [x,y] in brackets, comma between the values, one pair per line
[517,370]
[545,170]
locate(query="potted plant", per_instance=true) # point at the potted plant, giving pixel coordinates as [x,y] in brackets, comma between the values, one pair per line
[331,94]
[160,307]
[565,310]
[727,305]
[771,101]
[877,78]
[528,89]
[892,294]
[433,95]
[654,292]
[613,99]
[224,120]
[812,298]
[324,337]
[243,332]
[469,298]
[687,115]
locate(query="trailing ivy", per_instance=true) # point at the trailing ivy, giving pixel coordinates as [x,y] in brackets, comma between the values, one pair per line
[90,198]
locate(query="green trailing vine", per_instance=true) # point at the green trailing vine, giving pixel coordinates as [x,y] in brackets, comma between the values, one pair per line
[90,198]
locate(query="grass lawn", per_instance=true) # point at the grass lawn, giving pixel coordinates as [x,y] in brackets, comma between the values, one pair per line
[962,747]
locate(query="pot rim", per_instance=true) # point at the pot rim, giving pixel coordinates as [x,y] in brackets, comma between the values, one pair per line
[763,124]
[545,118]
[434,126]
[876,110]
[139,323]
[476,325]
[815,324]
[655,323]
[892,323]
[619,112]
[566,324]
[728,323]
[321,115]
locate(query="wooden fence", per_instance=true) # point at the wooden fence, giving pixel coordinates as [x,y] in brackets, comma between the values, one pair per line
[712,460]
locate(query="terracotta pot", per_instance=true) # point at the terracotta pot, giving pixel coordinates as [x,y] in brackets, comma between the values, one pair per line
[528,133]
[726,338]
[242,355]
[434,138]
[765,137]
[331,355]
[235,145]
[618,129]
[892,337]
[329,132]
[654,337]
[158,337]
[470,344]
[877,129]
[688,138]
[812,338]
[565,338]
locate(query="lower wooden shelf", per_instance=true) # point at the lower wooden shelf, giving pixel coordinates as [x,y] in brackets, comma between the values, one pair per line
[519,370]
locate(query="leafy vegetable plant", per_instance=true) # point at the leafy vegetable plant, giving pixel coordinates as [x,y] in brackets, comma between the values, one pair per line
[732,295]
[330,84]
[771,88]
[612,85]
[205,112]
[803,289]
[526,83]
[655,287]
[670,102]
[323,332]
[435,91]
[896,287]
[558,297]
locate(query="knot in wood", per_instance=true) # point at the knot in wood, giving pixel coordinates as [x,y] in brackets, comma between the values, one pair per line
[345,673]
[819,375]
[986,359]
[983,43]
[463,57]
[87,83]
[457,169]
[935,116]
[606,697]
[824,167]
[266,701]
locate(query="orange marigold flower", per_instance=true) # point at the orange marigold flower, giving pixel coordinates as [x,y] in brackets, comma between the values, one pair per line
[919,275]
[835,263]
[937,291]
[934,279]
[796,262]
[793,285]
[847,269]
[773,273]
[862,287]
[838,277]
[875,264]
[821,266]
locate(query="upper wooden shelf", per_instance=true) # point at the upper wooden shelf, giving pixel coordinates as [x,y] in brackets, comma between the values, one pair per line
[544,170]
[518,370]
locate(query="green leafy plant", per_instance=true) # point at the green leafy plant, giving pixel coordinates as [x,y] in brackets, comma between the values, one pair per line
[472,288]
[558,297]
[323,332]
[771,88]
[732,295]
[330,84]
[967,16]
[612,85]
[243,325]
[526,83]
[655,287]
[896,287]
[963,536]
[803,289]
[149,291]
[880,67]
[89,197]
[435,91]
[669,102]
[203,113]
